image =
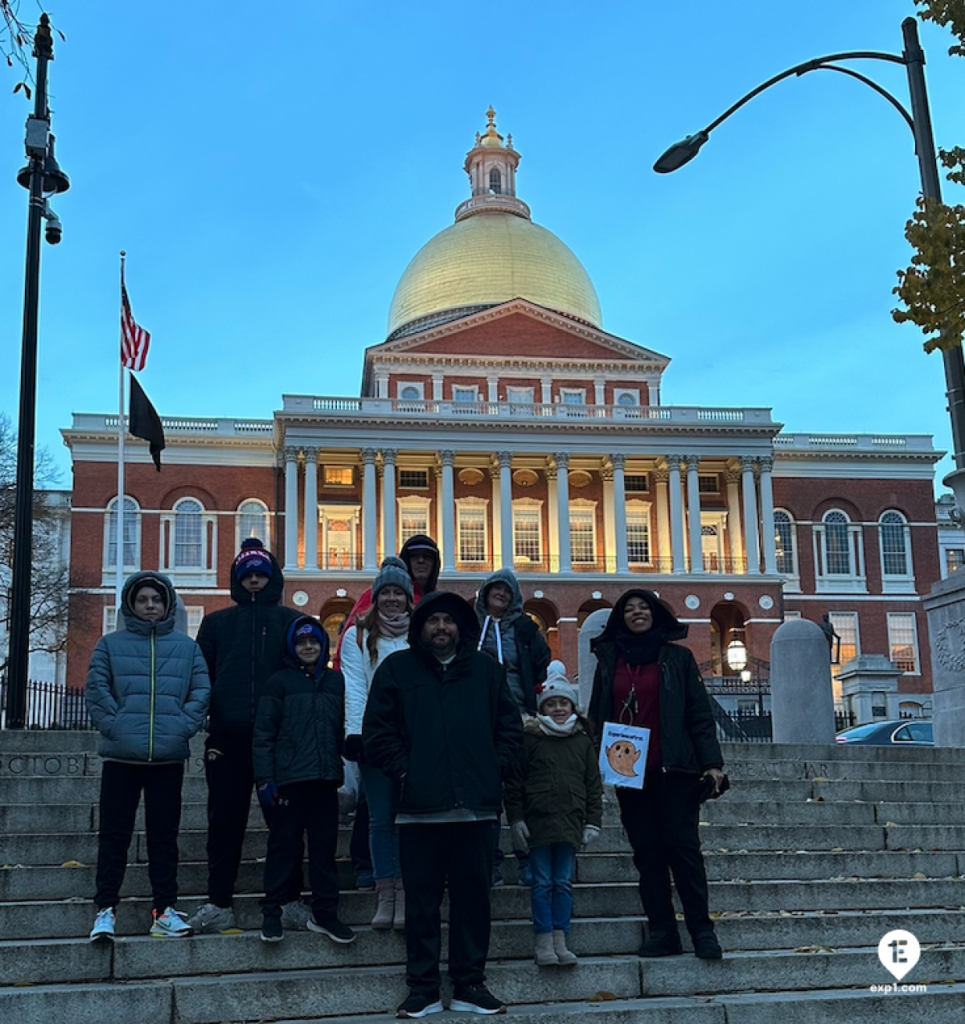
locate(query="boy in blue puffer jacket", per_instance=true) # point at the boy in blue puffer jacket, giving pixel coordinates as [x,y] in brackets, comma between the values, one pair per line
[147,693]
[297,750]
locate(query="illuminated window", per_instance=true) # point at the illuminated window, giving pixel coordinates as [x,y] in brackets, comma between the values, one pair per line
[527,533]
[413,518]
[471,532]
[253,521]
[784,536]
[903,641]
[339,476]
[638,533]
[583,534]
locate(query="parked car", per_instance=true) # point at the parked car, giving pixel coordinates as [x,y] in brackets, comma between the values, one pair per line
[906,732]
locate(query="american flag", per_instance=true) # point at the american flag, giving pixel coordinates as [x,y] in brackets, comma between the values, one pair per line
[135,341]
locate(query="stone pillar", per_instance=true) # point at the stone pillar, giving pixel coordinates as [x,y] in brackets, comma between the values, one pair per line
[734,522]
[802,698]
[552,515]
[370,519]
[693,514]
[767,517]
[447,458]
[592,627]
[311,508]
[291,508]
[753,547]
[945,606]
[546,390]
[563,503]
[389,531]
[676,514]
[661,549]
[381,385]
[609,521]
[497,517]
[599,391]
[619,463]
[865,677]
[506,506]
[437,380]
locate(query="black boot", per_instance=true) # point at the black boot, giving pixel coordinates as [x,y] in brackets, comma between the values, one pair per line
[706,946]
[661,943]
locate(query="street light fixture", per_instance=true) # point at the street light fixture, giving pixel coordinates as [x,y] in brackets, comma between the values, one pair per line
[737,655]
[42,176]
[919,120]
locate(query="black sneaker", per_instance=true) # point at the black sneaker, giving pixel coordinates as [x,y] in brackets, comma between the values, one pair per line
[661,944]
[706,947]
[419,1005]
[476,999]
[335,929]
[271,929]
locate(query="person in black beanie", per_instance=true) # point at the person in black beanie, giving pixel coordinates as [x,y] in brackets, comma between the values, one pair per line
[243,645]
[644,679]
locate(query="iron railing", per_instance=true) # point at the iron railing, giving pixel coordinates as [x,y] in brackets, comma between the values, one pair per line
[49,706]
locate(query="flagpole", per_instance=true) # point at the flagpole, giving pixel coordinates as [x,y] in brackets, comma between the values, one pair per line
[120,470]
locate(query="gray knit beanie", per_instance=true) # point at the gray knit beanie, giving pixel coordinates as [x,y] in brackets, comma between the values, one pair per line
[557,685]
[393,574]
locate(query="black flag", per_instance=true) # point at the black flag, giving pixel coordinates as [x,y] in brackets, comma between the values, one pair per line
[145,422]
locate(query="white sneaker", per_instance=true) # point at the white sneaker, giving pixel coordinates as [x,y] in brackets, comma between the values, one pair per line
[211,918]
[170,924]
[103,930]
[295,915]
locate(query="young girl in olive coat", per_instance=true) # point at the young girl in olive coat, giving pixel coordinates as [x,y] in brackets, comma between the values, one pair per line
[554,802]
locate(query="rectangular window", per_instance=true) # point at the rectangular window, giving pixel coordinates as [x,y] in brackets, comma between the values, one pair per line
[846,626]
[573,396]
[471,524]
[339,476]
[417,479]
[465,394]
[195,615]
[903,641]
[520,396]
[131,517]
[636,483]
[954,559]
[708,483]
[412,520]
[110,620]
[583,535]
[527,534]
[638,537]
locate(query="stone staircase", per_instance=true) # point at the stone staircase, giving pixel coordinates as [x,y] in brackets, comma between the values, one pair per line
[813,856]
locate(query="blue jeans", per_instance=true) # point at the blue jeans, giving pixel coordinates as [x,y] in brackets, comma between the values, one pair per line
[383,832]
[551,895]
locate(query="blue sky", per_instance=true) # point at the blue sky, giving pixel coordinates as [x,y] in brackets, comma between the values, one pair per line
[271,169]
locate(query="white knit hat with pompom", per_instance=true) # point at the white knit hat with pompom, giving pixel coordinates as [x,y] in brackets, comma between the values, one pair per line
[557,685]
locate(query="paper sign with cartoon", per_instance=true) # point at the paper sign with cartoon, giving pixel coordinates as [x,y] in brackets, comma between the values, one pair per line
[623,754]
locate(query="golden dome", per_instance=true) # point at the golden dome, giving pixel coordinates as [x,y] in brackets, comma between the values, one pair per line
[491,258]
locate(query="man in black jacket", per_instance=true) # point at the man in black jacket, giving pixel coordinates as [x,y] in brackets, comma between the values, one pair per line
[441,721]
[243,646]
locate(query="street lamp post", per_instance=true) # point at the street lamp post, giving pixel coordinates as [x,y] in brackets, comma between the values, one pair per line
[919,120]
[41,176]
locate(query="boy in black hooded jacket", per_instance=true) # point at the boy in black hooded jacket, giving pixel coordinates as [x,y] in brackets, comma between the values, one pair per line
[243,645]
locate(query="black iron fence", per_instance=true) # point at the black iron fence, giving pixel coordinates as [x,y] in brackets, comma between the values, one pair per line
[49,706]
[751,725]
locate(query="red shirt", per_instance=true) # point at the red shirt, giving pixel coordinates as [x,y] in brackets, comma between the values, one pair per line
[643,708]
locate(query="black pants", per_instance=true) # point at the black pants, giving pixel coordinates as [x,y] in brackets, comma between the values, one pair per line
[662,825]
[230,776]
[303,808]
[121,787]
[432,855]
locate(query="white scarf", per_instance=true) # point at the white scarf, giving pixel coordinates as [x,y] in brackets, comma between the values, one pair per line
[551,728]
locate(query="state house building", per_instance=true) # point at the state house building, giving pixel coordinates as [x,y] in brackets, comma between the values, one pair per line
[500,417]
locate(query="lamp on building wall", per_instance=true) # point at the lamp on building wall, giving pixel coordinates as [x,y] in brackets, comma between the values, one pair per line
[737,655]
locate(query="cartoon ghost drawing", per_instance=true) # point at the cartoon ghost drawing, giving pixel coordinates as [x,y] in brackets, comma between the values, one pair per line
[623,756]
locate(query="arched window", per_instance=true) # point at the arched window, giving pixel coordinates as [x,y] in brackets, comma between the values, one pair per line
[495,182]
[785,539]
[837,547]
[839,554]
[188,534]
[894,544]
[132,536]
[253,521]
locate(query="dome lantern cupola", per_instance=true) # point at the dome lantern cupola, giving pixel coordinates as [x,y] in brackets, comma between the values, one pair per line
[491,165]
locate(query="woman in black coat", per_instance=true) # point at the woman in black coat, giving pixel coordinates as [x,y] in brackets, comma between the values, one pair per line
[644,679]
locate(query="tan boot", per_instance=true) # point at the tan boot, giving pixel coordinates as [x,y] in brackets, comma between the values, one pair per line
[565,957]
[385,909]
[398,918]
[545,953]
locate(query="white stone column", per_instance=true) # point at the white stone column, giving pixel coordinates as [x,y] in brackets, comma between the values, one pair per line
[552,515]
[693,514]
[609,521]
[496,506]
[619,463]
[563,503]
[677,527]
[448,458]
[437,380]
[505,460]
[546,390]
[599,391]
[662,551]
[751,538]
[311,508]
[370,519]
[492,389]
[767,516]
[389,531]
[734,522]
[381,385]
[291,508]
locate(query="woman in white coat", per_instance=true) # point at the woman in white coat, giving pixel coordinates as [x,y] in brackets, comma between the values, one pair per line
[380,632]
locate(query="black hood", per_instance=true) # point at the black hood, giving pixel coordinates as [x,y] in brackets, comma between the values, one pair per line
[272,593]
[444,601]
[665,623]
[420,540]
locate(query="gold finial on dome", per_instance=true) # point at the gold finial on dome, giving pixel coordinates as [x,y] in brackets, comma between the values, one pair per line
[492,139]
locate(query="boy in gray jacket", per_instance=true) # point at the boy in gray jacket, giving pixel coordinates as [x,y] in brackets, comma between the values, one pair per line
[147,693]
